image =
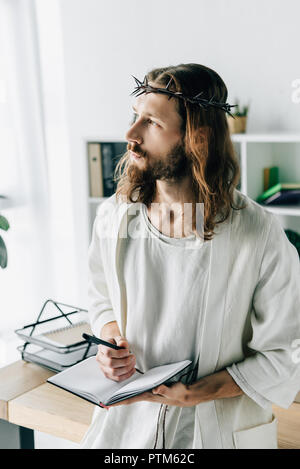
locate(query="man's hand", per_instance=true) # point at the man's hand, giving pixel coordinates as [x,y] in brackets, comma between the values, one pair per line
[220,385]
[117,365]
[176,394]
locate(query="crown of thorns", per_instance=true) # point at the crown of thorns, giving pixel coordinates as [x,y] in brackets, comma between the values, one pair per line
[144,87]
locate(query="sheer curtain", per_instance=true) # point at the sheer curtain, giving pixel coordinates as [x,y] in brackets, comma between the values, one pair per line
[27,280]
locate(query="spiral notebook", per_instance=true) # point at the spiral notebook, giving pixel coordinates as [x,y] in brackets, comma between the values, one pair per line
[66,336]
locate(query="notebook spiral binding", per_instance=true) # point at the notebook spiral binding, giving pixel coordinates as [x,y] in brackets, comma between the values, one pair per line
[60,329]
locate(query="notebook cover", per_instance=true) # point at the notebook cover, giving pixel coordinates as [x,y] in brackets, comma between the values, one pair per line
[286,186]
[284,197]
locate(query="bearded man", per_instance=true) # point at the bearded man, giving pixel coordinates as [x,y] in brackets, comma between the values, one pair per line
[223,293]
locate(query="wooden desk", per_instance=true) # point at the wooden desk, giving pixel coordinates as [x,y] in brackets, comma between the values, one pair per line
[288,426]
[17,379]
[52,410]
[28,401]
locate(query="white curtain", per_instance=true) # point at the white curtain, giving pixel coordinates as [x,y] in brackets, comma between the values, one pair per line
[27,280]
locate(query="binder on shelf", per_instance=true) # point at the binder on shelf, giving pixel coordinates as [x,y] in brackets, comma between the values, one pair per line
[111,152]
[103,158]
[271,177]
[108,168]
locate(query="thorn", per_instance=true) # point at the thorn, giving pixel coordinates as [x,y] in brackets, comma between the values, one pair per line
[169,82]
[197,95]
[138,82]
[141,92]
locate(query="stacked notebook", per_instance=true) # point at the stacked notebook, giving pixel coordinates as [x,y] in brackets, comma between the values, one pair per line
[281,194]
[56,342]
[67,336]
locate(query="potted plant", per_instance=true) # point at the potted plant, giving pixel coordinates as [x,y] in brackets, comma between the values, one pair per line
[4,225]
[238,123]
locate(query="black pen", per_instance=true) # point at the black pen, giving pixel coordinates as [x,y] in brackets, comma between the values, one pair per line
[95,340]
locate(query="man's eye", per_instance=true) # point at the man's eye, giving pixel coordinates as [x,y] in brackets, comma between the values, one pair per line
[152,122]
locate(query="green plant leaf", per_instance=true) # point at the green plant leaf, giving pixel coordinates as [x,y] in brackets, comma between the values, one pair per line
[3,254]
[241,111]
[4,225]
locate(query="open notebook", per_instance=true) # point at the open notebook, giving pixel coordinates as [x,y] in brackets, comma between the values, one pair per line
[86,380]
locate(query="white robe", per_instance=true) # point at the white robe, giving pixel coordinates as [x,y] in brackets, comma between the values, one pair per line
[248,325]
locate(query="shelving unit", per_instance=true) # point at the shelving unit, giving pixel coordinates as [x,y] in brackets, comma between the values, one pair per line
[255,151]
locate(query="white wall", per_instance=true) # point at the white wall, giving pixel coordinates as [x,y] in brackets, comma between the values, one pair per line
[253,45]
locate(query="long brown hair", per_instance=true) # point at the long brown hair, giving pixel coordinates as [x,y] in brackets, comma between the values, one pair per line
[206,138]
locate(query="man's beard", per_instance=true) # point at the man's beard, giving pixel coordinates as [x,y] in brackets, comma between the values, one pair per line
[171,167]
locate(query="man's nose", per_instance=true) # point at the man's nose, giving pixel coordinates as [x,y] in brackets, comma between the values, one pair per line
[133,135]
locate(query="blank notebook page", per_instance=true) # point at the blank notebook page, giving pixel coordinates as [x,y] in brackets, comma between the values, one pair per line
[87,377]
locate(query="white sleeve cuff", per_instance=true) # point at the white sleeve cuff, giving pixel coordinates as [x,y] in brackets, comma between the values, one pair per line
[246,388]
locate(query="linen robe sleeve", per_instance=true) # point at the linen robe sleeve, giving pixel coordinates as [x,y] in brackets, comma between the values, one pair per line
[100,309]
[273,369]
